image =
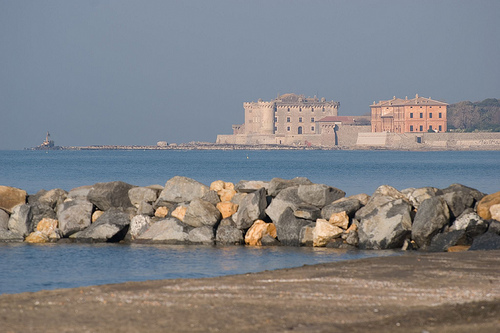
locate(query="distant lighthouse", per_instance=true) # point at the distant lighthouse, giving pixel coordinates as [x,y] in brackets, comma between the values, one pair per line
[48,143]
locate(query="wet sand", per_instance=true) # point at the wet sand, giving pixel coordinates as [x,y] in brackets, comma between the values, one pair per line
[438,292]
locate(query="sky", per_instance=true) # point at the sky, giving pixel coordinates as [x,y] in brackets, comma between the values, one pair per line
[138,72]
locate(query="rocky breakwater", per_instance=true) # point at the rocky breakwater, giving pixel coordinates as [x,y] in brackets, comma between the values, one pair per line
[294,212]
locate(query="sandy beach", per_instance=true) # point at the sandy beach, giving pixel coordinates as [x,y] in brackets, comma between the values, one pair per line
[434,292]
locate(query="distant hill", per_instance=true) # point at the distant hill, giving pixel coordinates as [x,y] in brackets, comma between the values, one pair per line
[475,116]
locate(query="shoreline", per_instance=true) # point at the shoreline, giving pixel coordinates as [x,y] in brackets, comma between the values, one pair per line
[435,292]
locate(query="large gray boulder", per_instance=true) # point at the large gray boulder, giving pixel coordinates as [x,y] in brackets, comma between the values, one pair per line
[307,213]
[53,198]
[288,228]
[79,193]
[168,231]
[112,194]
[418,195]
[74,216]
[472,224]
[212,197]
[487,241]
[39,211]
[138,195]
[202,235]
[182,189]
[459,198]
[201,213]
[287,198]
[441,242]
[382,195]
[111,226]
[249,186]
[432,216]
[319,195]
[20,220]
[386,227]
[8,236]
[228,234]
[250,209]
[276,185]
[4,220]
[11,197]
[348,205]
[138,225]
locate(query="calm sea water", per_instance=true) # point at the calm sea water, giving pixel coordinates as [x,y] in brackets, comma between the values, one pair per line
[26,267]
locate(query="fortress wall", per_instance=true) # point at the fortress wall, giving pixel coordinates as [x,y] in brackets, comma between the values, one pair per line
[347,136]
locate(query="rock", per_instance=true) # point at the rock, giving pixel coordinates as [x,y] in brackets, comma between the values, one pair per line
[352,237]
[324,232]
[319,195]
[387,226]
[251,208]
[471,224]
[179,212]
[458,201]
[349,205]
[202,235]
[306,235]
[494,227]
[268,240]
[138,195]
[257,231]
[276,185]
[483,207]
[362,197]
[477,195]
[95,215]
[7,236]
[288,228]
[4,220]
[226,195]
[212,197]
[161,212]
[33,198]
[307,213]
[382,195]
[53,198]
[441,242]
[340,220]
[416,196]
[11,197]
[20,220]
[217,185]
[112,226]
[238,197]
[79,193]
[48,226]
[228,234]
[39,211]
[74,216]
[112,194]
[138,225]
[182,189]
[495,212]
[145,209]
[200,213]
[227,208]
[249,186]
[432,216]
[487,241]
[37,237]
[287,198]
[389,191]
[169,231]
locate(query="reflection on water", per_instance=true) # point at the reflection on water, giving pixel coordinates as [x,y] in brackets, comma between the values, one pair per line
[32,267]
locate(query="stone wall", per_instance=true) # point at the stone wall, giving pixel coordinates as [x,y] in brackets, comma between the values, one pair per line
[347,135]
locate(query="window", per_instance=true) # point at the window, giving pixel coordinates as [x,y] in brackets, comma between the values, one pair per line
[300,119]
[411,128]
[440,115]
[421,128]
[275,119]
[312,109]
[430,127]
[288,128]
[323,109]
[300,109]
[312,128]
[440,128]
[287,119]
[430,115]
[288,109]
[312,120]
[411,115]
[299,130]
[275,129]
[421,115]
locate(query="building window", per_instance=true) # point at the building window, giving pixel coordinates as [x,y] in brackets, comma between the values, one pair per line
[288,109]
[421,115]
[275,129]
[411,128]
[287,119]
[312,128]
[299,130]
[430,127]
[430,115]
[312,120]
[300,119]
[312,109]
[411,115]
[440,128]
[275,119]
[288,128]
[323,109]
[300,109]
[440,115]
[421,128]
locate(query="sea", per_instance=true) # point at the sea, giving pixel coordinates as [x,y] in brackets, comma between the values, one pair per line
[33,267]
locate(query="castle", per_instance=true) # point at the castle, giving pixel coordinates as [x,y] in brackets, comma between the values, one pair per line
[292,119]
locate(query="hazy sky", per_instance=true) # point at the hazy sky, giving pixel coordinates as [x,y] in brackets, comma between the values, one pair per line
[137,72]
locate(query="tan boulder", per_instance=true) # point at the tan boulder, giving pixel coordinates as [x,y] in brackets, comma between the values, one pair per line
[324,232]
[179,212]
[47,226]
[217,185]
[96,215]
[340,220]
[226,195]
[495,212]
[11,197]
[228,186]
[258,230]
[227,208]
[161,211]
[37,237]
[483,207]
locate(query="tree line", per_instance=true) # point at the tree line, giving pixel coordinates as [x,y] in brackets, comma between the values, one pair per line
[469,116]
